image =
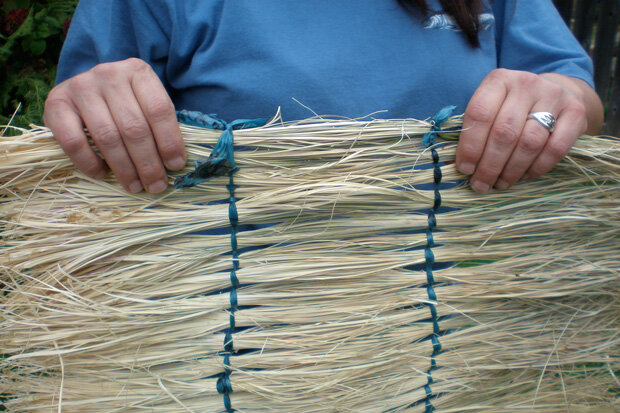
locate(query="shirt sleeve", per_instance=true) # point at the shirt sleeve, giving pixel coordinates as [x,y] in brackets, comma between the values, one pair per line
[114,30]
[532,36]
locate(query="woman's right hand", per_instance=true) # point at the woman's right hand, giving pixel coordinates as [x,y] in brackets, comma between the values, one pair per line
[130,118]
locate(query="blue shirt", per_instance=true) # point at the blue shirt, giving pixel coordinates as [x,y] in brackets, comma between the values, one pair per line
[246,58]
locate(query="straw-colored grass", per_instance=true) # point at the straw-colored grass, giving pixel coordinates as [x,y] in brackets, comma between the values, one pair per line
[119,302]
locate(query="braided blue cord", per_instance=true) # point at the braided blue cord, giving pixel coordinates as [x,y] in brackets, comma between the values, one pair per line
[220,162]
[428,140]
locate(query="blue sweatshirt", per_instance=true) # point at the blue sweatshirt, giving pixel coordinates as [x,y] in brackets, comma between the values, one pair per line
[246,58]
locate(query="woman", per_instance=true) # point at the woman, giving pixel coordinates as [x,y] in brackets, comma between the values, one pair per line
[512,67]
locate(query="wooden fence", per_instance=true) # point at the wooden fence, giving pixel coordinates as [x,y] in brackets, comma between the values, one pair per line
[596,24]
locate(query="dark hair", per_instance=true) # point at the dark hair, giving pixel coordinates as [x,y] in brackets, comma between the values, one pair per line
[464,12]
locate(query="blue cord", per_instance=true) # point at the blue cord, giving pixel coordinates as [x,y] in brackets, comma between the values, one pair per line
[221,162]
[428,141]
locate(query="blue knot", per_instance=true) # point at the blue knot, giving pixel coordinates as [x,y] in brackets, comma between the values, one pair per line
[224,387]
[221,161]
[436,122]
[223,384]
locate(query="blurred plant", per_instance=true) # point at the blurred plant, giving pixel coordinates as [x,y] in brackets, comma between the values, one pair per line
[31,36]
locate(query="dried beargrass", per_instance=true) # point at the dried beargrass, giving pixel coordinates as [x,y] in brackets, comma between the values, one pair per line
[119,302]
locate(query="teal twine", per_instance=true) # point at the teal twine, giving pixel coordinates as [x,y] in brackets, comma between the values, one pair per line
[428,141]
[221,162]
[440,117]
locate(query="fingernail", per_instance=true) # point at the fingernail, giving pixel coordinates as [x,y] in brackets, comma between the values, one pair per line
[501,184]
[135,187]
[480,186]
[467,168]
[176,163]
[157,187]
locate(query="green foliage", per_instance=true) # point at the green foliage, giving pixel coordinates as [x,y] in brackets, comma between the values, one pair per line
[31,36]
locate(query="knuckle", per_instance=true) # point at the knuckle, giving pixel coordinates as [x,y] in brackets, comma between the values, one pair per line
[105,70]
[531,142]
[113,70]
[135,129]
[479,112]
[56,97]
[510,176]
[504,134]
[553,89]
[582,126]
[557,149]
[467,149]
[488,172]
[160,110]
[136,64]
[576,107]
[537,170]
[577,112]
[167,149]
[469,153]
[150,171]
[55,94]
[510,76]
[70,144]
[106,136]
[91,170]
[528,80]
[80,82]
[499,74]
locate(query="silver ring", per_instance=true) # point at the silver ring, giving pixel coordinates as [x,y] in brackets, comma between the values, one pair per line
[544,118]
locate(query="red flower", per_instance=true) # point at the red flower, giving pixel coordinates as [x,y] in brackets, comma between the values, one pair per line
[13,20]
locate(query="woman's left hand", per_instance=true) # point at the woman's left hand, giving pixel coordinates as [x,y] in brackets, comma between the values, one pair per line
[501,143]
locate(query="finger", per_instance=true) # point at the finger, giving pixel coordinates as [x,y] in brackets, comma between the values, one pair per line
[531,142]
[503,138]
[65,123]
[137,136]
[570,124]
[106,136]
[479,117]
[159,111]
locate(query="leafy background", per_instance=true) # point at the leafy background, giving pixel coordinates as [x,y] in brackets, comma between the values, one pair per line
[31,36]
